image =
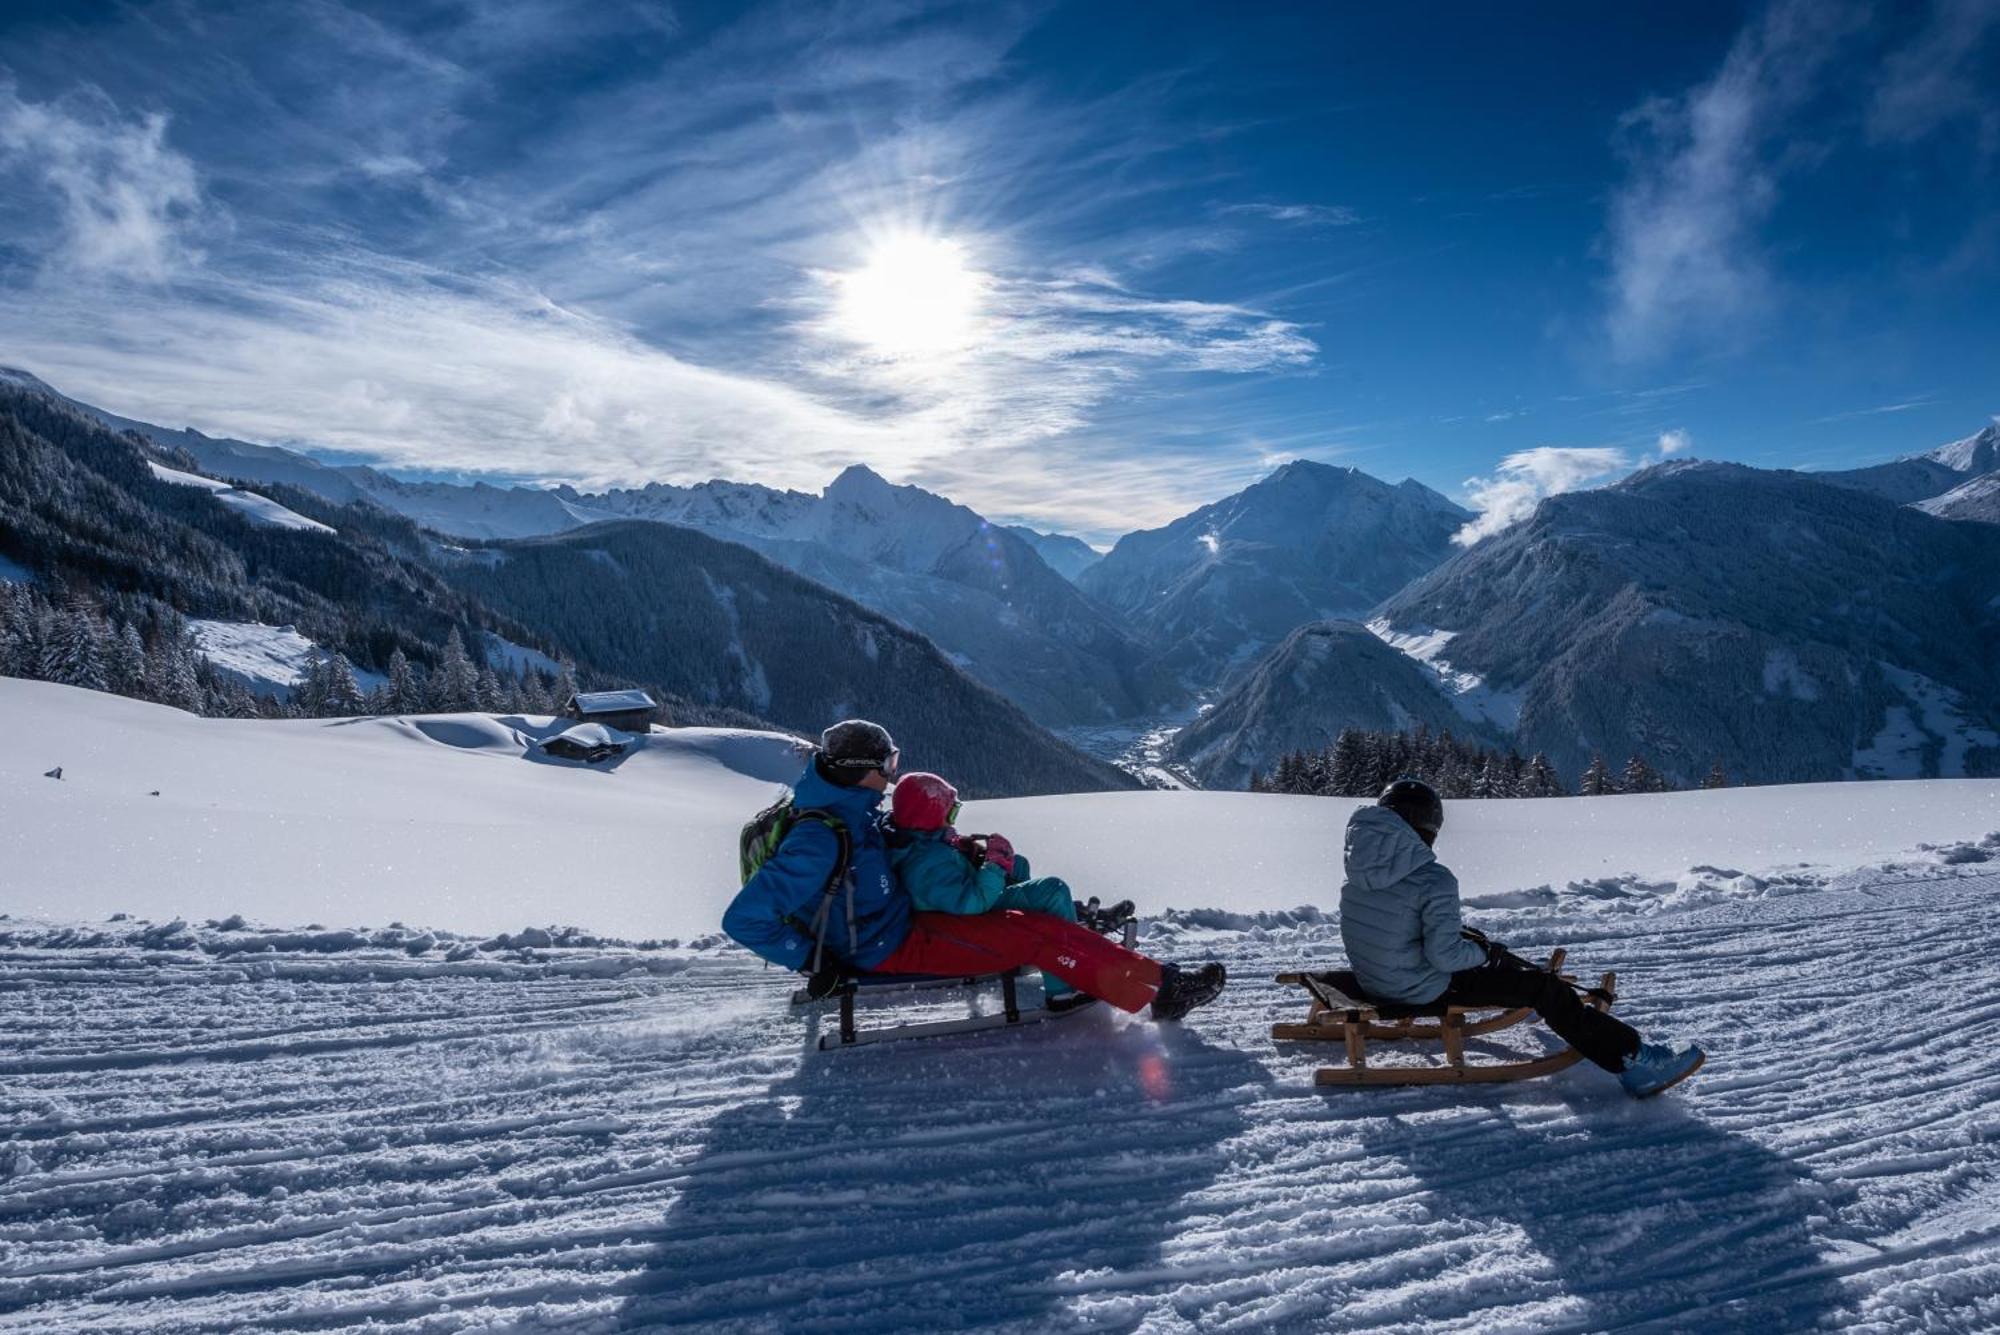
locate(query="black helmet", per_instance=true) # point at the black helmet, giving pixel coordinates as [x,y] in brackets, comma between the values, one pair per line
[1416,802]
[854,746]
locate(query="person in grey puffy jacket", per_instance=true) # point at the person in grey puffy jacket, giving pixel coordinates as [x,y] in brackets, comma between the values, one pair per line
[1407,943]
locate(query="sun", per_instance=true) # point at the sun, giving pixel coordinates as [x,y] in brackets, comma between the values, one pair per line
[914,298]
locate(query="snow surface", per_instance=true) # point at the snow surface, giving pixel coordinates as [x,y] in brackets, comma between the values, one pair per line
[455,820]
[508,658]
[257,509]
[270,660]
[1468,691]
[234,1120]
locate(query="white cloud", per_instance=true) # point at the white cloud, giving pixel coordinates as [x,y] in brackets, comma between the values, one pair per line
[127,201]
[1676,441]
[1685,260]
[1306,215]
[1524,478]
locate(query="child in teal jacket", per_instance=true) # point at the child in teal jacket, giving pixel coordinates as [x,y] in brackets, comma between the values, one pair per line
[945,872]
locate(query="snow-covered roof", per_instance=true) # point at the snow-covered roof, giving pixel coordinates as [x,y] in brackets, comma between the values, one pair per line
[592,734]
[612,702]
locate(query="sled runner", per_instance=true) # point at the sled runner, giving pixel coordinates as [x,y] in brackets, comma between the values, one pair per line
[891,986]
[1341,1012]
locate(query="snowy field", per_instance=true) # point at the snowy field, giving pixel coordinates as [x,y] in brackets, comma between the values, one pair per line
[213,1117]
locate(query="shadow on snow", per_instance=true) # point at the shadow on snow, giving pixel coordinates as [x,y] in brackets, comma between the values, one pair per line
[902,1188]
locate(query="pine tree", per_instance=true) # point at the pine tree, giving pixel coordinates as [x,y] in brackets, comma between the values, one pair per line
[455,684]
[566,687]
[1597,780]
[309,691]
[1345,768]
[1540,779]
[403,694]
[492,697]
[73,652]
[1641,777]
[16,628]
[125,662]
[173,671]
[1489,782]
[340,694]
[534,692]
[1717,777]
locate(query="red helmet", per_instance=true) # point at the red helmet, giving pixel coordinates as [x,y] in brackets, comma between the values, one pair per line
[923,802]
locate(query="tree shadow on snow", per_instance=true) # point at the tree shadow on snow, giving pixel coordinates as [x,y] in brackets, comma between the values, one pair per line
[937,1184]
[1649,1215]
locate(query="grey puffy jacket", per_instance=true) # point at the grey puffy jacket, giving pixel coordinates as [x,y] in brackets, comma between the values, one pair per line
[1399,915]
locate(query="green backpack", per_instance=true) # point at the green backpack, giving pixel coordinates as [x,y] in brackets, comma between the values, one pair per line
[759,842]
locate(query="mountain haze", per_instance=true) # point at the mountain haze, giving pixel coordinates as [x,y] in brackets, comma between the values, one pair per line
[722,624]
[1218,586]
[1326,676]
[1695,611]
[1919,477]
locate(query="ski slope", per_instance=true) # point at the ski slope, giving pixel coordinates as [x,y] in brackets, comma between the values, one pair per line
[398,1119]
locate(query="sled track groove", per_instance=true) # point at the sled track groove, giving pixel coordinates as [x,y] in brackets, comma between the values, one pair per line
[188,1148]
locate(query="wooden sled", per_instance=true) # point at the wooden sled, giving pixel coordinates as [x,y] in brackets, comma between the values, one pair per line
[862,987]
[1342,1013]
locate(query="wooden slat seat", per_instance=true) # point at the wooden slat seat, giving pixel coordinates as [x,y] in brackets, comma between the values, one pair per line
[1343,1012]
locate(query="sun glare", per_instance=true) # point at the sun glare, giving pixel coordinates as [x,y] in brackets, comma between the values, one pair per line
[914,298]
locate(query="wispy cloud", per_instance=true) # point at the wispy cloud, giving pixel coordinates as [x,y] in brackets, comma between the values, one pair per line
[614,308]
[126,203]
[1303,215]
[1878,410]
[1703,172]
[1943,76]
[1523,479]
[1676,441]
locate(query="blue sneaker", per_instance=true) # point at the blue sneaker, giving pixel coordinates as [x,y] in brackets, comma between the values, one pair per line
[1656,1067]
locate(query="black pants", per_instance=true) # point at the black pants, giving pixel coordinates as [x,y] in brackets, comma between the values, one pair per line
[1604,1039]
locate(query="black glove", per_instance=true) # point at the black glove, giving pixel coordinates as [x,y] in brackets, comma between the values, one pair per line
[823,982]
[1496,953]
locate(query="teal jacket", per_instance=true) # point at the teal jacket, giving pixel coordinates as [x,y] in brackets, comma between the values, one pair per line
[940,879]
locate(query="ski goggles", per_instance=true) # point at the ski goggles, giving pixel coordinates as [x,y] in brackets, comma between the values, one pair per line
[888,766]
[951,817]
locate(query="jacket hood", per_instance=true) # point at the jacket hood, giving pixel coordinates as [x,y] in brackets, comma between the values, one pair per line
[855,806]
[1382,849]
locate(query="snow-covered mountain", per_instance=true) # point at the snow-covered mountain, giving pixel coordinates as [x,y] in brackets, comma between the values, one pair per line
[718,631]
[1217,587]
[977,589]
[1697,610]
[1326,676]
[980,591]
[717,622]
[1067,556]
[1920,477]
[1978,499]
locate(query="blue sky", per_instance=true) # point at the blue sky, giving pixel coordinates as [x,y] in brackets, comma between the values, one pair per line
[1085,265]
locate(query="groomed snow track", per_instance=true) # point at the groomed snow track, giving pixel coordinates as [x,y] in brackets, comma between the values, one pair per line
[306,1142]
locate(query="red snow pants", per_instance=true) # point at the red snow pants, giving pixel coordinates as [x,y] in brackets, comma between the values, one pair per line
[993,942]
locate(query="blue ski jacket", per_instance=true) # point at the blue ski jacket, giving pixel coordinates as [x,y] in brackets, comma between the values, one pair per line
[1399,913]
[773,913]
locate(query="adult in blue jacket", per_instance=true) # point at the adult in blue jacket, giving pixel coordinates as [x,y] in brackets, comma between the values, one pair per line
[784,914]
[1406,940]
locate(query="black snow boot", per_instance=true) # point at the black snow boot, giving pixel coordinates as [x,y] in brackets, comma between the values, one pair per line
[1181,991]
[1098,918]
